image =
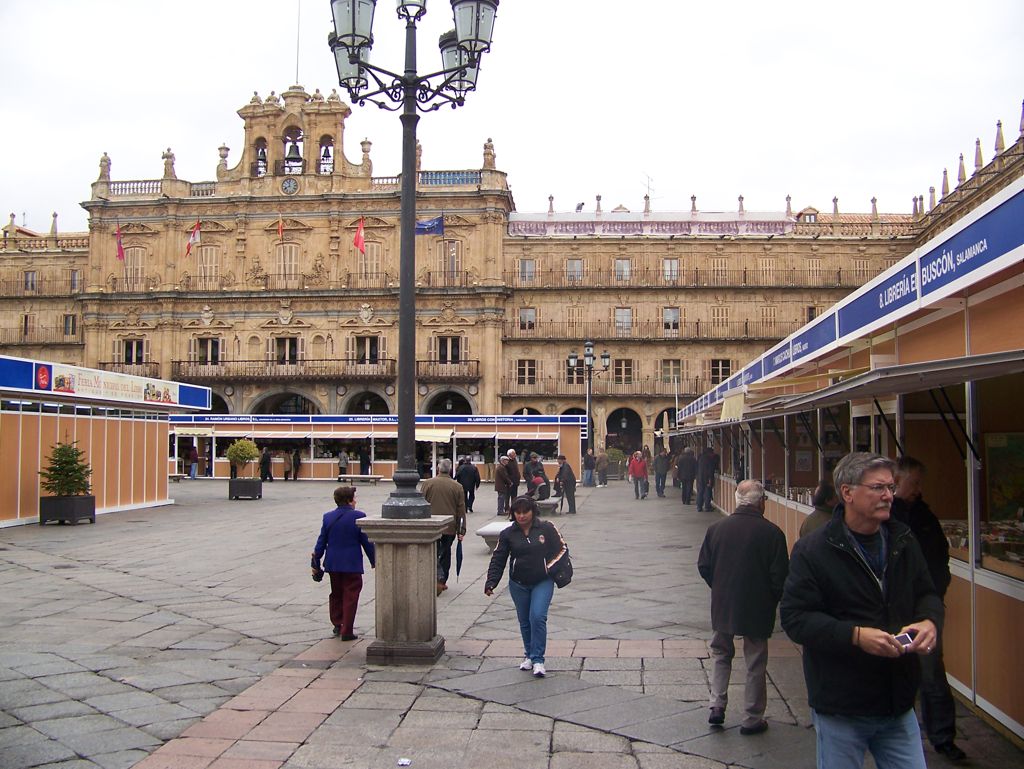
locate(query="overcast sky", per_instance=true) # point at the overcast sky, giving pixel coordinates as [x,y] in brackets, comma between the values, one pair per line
[713,99]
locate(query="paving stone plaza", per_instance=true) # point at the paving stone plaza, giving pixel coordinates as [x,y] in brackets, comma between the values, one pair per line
[190,636]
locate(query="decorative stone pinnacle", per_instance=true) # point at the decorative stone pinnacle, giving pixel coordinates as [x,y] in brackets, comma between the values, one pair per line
[1000,146]
[978,163]
[945,182]
[961,175]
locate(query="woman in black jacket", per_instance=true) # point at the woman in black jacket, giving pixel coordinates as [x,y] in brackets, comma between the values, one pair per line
[533,546]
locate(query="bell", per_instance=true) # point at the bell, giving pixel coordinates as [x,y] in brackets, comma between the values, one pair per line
[327,154]
[261,154]
[293,153]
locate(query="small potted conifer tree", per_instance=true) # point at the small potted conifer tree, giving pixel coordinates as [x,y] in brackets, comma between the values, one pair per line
[241,454]
[66,479]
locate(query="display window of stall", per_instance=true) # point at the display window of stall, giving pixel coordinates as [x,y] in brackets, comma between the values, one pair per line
[1001,527]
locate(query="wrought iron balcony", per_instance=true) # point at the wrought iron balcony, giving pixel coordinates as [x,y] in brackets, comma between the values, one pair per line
[52,335]
[605,386]
[149,369]
[697,277]
[40,286]
[646,331]
[383,370]
[436,371]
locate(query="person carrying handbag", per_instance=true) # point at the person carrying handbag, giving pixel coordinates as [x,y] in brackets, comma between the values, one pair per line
[638,475]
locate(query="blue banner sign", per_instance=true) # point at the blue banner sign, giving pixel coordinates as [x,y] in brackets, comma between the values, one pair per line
[817,337]
[775,359]
[893,293]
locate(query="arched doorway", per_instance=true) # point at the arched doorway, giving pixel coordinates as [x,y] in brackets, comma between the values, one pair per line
[367,403]
[218,405]
[525,411]
[449,402]
[624,430]
[285,403]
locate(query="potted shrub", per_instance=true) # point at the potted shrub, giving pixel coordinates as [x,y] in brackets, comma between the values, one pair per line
[616,463]
[241,454]
[66,479]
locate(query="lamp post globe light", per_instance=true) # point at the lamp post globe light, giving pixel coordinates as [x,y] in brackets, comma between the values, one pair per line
[461,49]
[588,372]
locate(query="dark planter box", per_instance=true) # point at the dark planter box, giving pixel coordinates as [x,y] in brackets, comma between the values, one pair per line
[70,509]
[245,487]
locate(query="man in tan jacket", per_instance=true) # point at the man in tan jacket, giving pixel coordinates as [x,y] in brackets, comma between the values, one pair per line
[446,497]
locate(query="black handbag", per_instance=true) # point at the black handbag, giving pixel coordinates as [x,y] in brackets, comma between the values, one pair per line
[561,570]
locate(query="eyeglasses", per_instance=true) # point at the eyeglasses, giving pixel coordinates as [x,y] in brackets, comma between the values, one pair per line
[878,488]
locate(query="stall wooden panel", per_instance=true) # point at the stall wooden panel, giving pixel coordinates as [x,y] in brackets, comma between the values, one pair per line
[117,480]
[136,465]
[10,457]
[1000,655]
[38,434]
[956,633]
[944,486]
[101,482]
[83,437]
[942,339]
[989,330]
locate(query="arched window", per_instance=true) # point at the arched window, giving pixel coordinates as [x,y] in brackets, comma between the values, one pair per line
[293,162]
[259,165]
[326,163]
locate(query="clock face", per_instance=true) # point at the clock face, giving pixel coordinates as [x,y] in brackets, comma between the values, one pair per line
[289,186]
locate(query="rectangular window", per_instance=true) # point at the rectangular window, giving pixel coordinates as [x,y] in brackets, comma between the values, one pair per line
[209,268]
[134,351]
[527,318]
[575,374]
[369,264]
[623,321]
[75,281]
[719,317]
[861,270]
[671,318]
[288,264]
[767,269]
[721,369]
[622,269]
[70,325]
[30,281]
[574,271]
[670,270]
[28,324]
[526,371]
[449,349]
[719,275]
[449,258]
[671,371]
[812,312]
[367,349]
[815,274]
[286,350]
[527,270]
[208,351]
[133,276]
[622,371]
[769,315]
[574,317]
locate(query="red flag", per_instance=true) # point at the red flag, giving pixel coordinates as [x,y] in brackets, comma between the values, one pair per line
[193,239]
[120,245]
[359,241]
[280,228]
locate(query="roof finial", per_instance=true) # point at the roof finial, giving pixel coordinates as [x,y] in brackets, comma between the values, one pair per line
[741,203]
[598,204]
[961,175]
[693,204]
[1022,118]
[1000,146]
[835,206]
[53,224]
[945,182]
[931,197]
[647,204]
[914,211]
[789,205]
[551,204]
[978,163]
[874,209]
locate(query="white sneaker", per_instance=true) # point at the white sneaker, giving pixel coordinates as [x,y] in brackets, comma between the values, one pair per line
[538,670]
[526,664]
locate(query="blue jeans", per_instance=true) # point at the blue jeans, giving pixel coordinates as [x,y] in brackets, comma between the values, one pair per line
[588,477]
[192,470]
[894,741]
[532,602]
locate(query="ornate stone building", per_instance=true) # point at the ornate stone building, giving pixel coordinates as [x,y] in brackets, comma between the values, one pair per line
[274,307]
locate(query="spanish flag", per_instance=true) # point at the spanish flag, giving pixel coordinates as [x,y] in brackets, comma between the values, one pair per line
[117,238]
[280,227]
[193,239]
[359,241]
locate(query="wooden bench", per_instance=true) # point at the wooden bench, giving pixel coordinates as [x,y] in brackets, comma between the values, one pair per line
[353,478]
[176,477]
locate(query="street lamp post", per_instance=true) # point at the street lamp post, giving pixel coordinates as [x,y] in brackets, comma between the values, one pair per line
[406,608]
[588,372]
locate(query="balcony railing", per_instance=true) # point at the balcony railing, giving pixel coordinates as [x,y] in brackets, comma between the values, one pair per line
[697,277]
[369,280]
[40,286]
[134,283]
[445,279]
[647,331]
[200,283]
[689,387]
[45,243]
[254,370]
[54,335]
[435,371]
[150,369]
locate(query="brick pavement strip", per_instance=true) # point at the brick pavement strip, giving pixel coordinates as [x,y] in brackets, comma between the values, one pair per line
[107,654]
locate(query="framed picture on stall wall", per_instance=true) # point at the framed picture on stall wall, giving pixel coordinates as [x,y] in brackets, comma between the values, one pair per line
[1004,476]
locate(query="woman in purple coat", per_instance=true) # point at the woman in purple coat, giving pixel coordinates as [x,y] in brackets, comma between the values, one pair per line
[344,542]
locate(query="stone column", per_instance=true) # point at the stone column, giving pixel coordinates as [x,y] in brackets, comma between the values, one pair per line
[406,585]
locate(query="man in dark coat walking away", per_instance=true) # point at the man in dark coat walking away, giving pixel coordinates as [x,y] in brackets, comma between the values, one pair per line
[744,561]
[938,709]
[860,601]
[707,467]
[686,467]
[514,476]
[565,483]
[469,478]
[502,483]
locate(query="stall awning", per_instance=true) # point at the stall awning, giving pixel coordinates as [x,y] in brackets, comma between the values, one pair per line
[532,435]
[233,432]
[182,431]
[434,434]
[912,377]
[464,434]
[340,434]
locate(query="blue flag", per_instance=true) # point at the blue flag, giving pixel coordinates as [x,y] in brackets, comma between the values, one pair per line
[433,226]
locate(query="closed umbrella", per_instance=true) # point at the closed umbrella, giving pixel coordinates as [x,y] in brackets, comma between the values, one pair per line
[458,560]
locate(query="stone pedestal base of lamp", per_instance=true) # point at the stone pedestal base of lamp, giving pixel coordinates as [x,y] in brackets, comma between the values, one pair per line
[406,589]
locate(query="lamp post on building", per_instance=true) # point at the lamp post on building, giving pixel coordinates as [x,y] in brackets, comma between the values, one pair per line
[588,372]
[461,49]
